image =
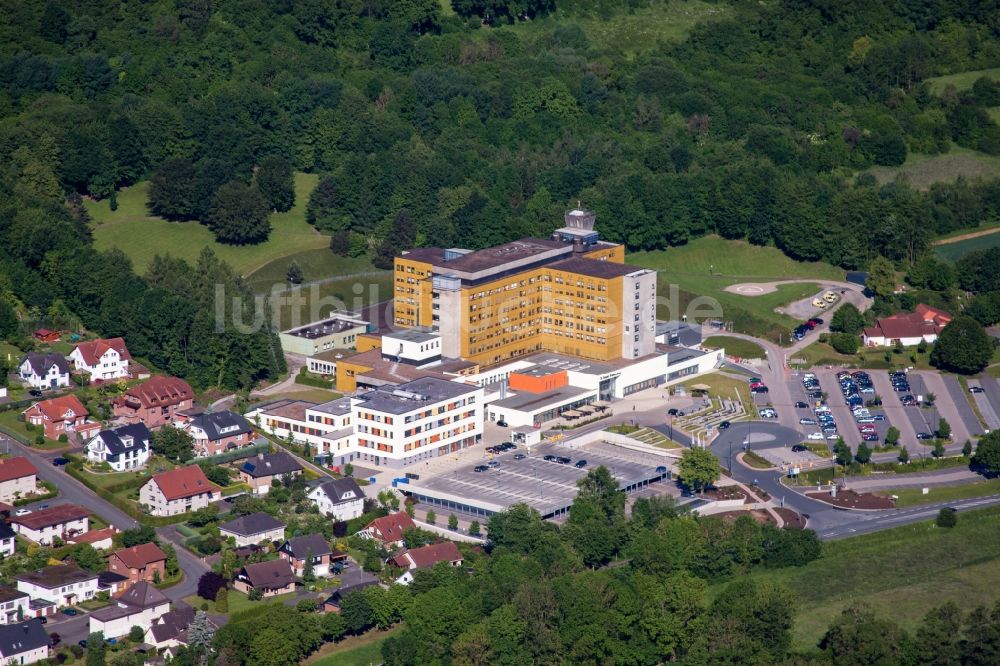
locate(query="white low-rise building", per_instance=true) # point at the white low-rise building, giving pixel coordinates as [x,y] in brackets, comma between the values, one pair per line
[340,499]
[104,360]
[44,371]
[8,540]
[178,491]
[141,606]
[123,448]
[60,521]
[325,427]
[18,478]
[59,585]
[13,605]
[24,643]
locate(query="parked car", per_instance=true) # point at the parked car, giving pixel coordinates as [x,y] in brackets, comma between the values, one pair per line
[580,464]
[22,512]
[59,462]
[801,405]
[799,448]
[924,435]
[817,320]
[493,464]
[814,436]
[724,425]
[549,458]
[480,468]
[760,389]
[975,389]
[807,421]
[563,460]
[519,456]
[70,611]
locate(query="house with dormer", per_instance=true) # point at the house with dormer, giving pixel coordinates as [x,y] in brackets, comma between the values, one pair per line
[340,499]
[217,432]
[156,402]
[44,371]
[64,415]
[103,360]
[123,448]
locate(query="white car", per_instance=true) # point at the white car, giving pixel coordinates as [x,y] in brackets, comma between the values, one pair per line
[815,436]
[22,512]
[833,435]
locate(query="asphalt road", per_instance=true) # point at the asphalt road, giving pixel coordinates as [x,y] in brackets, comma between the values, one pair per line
[74,492]
[828,522]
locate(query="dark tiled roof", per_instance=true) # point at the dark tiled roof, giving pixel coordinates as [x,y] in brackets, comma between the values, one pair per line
[252,524]
[56,576]
[42,363]
[221,424]
[115,439]
[271,574]
[337,489]
[270,465]
[604,270]
[22,637]
[313,544]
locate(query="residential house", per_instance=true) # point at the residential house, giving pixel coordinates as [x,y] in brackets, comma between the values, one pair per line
[388,530]
[123,448]
[103,360]
[24,643]
[141,606]
[8,543]
[145,562]
[260,471]
[13,605]
[178,491]
[62,521]
[298,550]
[156,402]
[426,557]
[44,371]
[171,629]
[17,478]
[55,586]
[340,499]
[217,432]
[64,415]
[253,529]
[332,603]
[271,578]
[112,583]
[908,329]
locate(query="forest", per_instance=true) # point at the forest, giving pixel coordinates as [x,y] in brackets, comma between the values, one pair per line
[468,125]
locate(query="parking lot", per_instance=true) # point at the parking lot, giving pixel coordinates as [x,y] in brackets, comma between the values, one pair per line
[547,486]
[988,401]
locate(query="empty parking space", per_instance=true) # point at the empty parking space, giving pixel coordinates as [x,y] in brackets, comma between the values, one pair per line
[953,405]
[548,486]
[990,414]
[992,391]
[781,455]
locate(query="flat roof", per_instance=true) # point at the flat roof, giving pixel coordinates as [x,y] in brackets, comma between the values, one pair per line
[537,371]
[491,257]
[337,407]
[532,402]
[548,487]
[596,268]
[415,395]
[571,363]
[332,354]
[412,335]
[329,326]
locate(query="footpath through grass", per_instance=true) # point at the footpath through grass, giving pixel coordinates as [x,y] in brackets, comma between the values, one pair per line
[142,236]
[902,573]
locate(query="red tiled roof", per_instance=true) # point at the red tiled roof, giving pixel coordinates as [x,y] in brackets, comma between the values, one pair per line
[183,482]
[16,468]
[93,350]
[928,313]
[138,557]
[391,527]
[160,391]
[54,409]
[57,515]
[94,535]
[428,556]
[903,326]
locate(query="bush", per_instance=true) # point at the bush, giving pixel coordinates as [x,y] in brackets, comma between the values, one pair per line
[39,441]
[136,634]
[474,528]
[845,343]
[947,518]
[63,438]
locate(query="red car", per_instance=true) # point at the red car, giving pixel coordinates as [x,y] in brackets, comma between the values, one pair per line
[810,324]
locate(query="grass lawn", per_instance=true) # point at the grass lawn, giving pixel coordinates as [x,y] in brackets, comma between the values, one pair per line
[962,80]
[735,346]
[237,601]
[141,235]
[922,171]
[311,302]
[8,420]
[756,461]
[317,395]
[724,386]
[706,266]
[316,264]
[912,496]
[902,572]
[819,448]
[360,650]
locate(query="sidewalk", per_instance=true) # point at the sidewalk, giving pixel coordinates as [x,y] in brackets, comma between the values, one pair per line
[944,477]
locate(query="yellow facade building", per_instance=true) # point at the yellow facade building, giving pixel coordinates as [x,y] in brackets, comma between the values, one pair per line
[571,294]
